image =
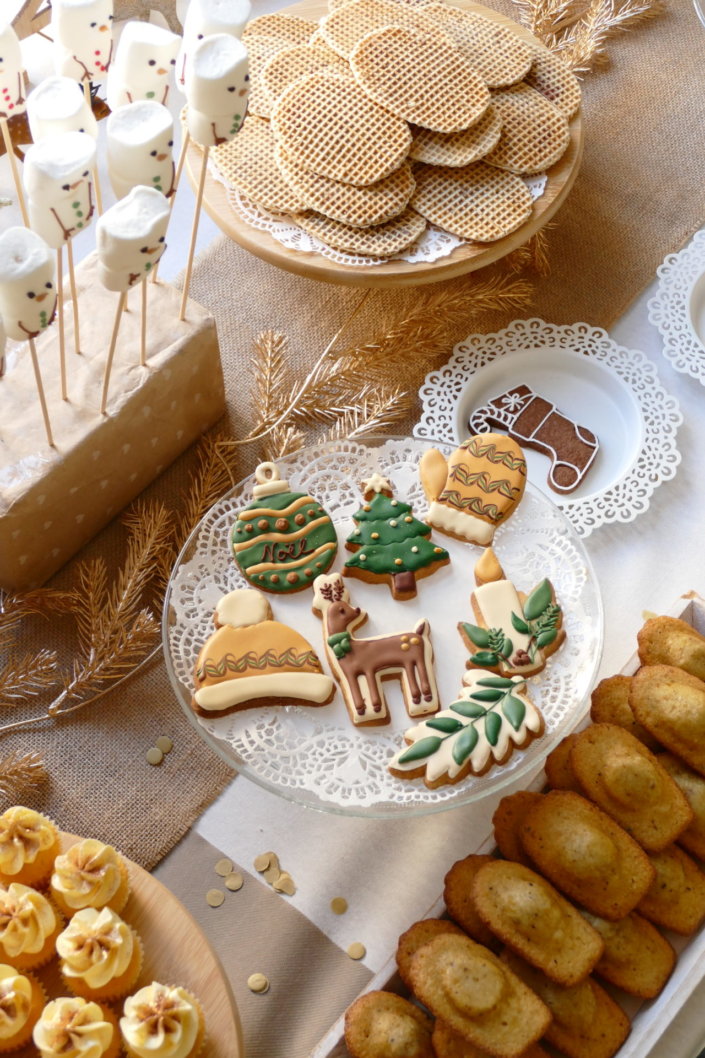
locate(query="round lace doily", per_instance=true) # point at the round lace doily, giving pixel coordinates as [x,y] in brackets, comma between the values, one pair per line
[669,308]
[314,755]
[622,384]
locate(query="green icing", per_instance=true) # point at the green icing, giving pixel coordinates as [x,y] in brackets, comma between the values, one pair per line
[384,535]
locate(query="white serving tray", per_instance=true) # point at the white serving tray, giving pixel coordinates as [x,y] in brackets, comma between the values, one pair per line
[649,1019]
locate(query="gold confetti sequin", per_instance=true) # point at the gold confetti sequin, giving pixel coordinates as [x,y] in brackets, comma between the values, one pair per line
[234,881]
[339,905]
[258,983]
[164,743]
[154,755]
[284,884]
[263,861]
[215,897]
[357,950]
[224,867]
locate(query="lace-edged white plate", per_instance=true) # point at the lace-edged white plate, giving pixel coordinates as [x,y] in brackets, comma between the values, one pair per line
[677,308]
[314,755]
[611,390]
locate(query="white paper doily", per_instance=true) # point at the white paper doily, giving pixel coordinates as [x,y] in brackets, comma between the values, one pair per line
[614,391]
[315,755]
[677,311]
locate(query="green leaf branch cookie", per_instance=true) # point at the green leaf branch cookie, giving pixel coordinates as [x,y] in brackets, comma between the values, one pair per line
[492,716]
[515,633]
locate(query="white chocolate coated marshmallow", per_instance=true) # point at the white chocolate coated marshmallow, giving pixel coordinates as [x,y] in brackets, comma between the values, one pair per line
[203,19]
[217,86]
[141,69]
[12,98]
[83,34]
[27,283]
[59,186]
[58,105]
[140,148]
[131,238]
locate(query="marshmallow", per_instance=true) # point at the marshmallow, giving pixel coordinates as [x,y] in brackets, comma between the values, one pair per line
[140,148]
[83,31]
[59,186]
[12,100]
[144,59]
[203,19]
[58,105]
[27,283]
[131,238]
[217,86]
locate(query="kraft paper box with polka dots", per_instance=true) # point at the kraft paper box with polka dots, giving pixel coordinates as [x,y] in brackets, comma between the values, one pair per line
[52,501]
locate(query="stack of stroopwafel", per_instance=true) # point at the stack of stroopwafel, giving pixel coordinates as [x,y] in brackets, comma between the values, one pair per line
[387,114]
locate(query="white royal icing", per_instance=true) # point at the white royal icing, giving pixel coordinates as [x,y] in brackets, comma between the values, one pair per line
[460,523]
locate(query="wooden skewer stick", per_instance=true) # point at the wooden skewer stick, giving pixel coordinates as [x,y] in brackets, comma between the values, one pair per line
[40,391]
[143,323]
[111,353]
[62,330]
[177,180]
[9,150]
[194,232]
[74,298]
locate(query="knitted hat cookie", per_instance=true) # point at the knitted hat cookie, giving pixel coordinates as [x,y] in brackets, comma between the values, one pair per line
[284,539]
[389,543]
[253,660]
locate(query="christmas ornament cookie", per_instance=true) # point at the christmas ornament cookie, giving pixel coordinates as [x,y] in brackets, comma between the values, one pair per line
[476,488]
[389,543]
[492,716]
[253,660]
[515,633]
[537,423]
[284,539]
[360,665]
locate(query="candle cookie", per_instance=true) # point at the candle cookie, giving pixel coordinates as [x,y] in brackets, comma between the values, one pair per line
[283,540]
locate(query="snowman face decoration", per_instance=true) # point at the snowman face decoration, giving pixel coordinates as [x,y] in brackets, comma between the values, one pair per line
[204,18]
[131,238]
[216,90]
[12,99]
[83,37]
[57,178]
[58,105]
[145,58]
[140,139]
[27,283]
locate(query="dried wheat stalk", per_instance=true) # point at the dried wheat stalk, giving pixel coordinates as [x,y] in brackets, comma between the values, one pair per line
[584,44]
[20,772]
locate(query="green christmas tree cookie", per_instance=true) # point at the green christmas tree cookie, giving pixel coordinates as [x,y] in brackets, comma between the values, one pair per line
[389,543]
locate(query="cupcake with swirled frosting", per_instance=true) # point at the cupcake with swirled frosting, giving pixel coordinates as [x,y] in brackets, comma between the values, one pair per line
[72,1027]
[90,874]
[28,844]
[162,1021]
[100,955]
[29,926]
[21,1001]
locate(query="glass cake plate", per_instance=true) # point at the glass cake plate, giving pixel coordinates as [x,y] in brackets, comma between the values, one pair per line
[313,754]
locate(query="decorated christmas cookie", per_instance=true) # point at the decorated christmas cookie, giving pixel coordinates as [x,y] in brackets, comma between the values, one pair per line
[492,715]
[389,543]
[476,489]
[253,660]
[284,539]
[515,633]
[360,665]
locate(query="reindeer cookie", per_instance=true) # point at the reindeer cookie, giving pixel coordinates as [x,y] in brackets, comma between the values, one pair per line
[360,665]
[253,660]
[515,633]
[476,488]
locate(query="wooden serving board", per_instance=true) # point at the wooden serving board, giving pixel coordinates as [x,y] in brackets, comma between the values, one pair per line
[466,258]
[176,953]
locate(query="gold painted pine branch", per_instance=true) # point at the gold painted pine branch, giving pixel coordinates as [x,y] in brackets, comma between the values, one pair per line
[26,676]
[20,772]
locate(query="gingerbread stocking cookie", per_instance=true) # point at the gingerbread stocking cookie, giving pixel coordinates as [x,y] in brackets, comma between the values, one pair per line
[515,633]
[537,423]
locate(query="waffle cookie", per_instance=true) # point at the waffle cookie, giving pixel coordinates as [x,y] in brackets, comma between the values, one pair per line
[500,57]
[535,133]
[343,28]
[247,163]
[384,240]
[477,202]
[550,76]
[457,148]
[287,29]
[296,61]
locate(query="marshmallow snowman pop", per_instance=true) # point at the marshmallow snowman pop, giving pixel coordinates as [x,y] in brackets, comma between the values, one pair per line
[58,105]
[131,239]
[12,100]
[217,85]
[140,151]
[57,178]
[27,296]
[82,31]
[144,59]
[203,19]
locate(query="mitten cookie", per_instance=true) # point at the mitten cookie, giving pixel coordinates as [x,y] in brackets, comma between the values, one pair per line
[515,633]
[389,543]
[476,489]
[283,540]
[537,423]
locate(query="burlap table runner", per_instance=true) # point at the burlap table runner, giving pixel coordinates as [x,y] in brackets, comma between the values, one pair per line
[638,197]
